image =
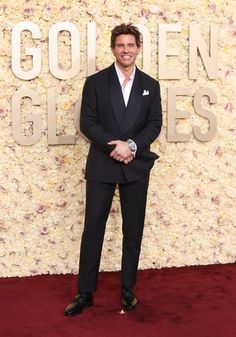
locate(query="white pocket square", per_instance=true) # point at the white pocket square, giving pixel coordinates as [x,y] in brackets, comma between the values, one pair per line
[145,93]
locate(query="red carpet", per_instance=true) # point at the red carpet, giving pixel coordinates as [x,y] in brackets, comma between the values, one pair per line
[184,302]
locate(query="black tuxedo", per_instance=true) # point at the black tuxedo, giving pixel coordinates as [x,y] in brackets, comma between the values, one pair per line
[104,117]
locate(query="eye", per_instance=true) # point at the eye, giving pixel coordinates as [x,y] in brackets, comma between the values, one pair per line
[120,45]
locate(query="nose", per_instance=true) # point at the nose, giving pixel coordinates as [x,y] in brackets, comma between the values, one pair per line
[126,48]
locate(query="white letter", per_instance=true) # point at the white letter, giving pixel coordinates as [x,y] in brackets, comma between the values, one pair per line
[209,59]
[205,137]
[163,52]
[53,50]
[16,117]
[91,48]
[35,52]
[146,47]
[173,114]
[53,139]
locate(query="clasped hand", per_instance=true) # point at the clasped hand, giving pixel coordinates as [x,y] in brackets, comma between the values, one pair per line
[121,152]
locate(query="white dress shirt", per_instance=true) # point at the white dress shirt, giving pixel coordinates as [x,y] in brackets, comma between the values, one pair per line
[126,89]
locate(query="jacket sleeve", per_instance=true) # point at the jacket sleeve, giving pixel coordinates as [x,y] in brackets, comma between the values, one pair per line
[89,124]
[153,125]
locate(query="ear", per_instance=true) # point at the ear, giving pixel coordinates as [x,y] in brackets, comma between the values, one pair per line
[140,48]
[112,50]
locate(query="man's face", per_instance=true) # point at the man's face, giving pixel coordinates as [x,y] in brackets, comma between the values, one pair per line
[125,50]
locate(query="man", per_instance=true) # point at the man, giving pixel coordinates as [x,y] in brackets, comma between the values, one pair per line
[121,115]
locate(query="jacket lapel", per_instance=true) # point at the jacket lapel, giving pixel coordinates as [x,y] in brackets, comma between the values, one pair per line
[117,99]
[125,116]
[134,104]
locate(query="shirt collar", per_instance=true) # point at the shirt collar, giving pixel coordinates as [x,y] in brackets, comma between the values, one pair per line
[121,76]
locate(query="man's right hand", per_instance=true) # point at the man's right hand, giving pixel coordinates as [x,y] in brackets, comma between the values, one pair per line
[121,152]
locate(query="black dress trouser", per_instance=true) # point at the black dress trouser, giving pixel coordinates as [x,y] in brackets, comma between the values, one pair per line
[99,197]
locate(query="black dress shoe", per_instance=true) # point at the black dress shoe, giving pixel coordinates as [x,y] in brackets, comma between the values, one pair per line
[81,301]
[128,299]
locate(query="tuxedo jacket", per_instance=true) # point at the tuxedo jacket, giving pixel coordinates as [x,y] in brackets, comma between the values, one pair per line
[104,117]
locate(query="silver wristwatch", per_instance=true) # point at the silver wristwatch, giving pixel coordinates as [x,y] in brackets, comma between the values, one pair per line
[132,146]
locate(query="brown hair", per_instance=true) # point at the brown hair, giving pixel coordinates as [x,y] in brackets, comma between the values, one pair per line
[125,29]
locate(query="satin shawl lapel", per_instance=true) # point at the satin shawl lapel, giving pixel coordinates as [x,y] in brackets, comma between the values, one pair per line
[134,104]
[117,99]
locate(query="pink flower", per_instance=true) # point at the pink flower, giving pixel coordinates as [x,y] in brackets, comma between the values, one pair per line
[198,193]
[2,189]
[212,180]
[59,160]
[44,231]
[62,204]
[159,214]
[41,208]
[218,151]
[179,13]
[231,20]
[29,11]
[47,7]
[213,6]
[228,107]
[227,73]
[61,187]
[144,13]
[27,216]
[215,200]
[3,113]
[64,90]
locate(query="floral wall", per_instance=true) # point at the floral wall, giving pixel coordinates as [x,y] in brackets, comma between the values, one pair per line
[191,217]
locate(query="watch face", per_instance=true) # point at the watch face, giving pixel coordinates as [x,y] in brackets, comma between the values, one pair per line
[131,146]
